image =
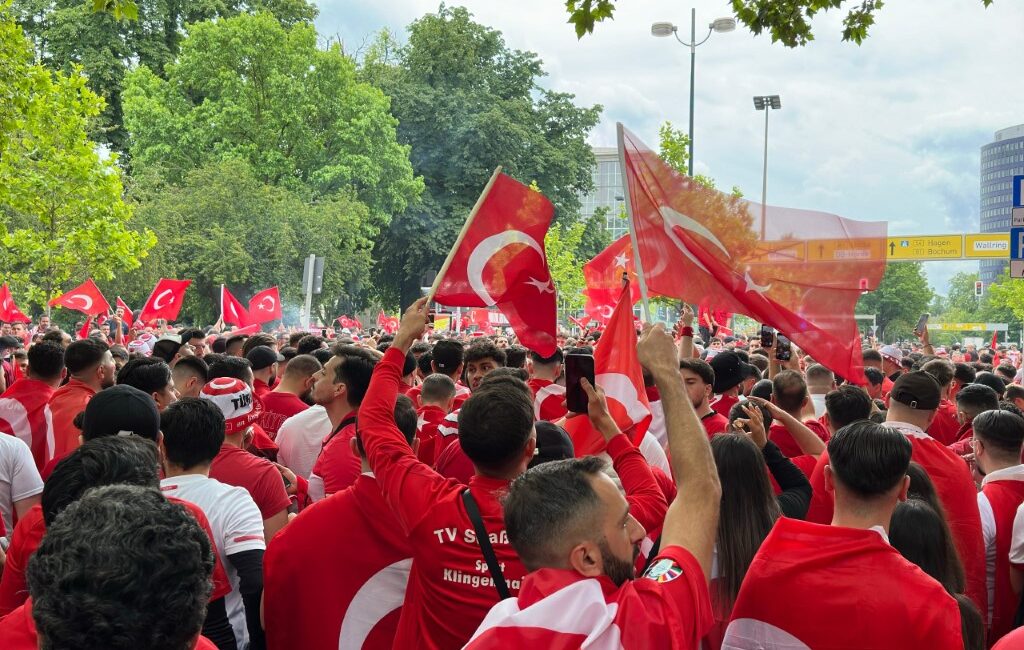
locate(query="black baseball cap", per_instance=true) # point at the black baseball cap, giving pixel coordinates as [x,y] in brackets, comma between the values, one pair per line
[553,443]
[730,370]
[263,356]
[918,390]
[121,410]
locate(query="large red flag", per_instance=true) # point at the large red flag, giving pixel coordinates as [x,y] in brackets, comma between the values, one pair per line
[265,306]
[165,301]
[499,259]
[803,276]
[618,371]
[231,309]
[85,298]
[387,323]
[127,316]
[9,312]
[603,276]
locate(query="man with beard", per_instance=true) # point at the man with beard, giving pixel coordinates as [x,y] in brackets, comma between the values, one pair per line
[91,368]
[287,399]
[698,377]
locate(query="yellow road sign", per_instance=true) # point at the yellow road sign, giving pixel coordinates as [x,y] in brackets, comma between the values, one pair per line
[780,251]
[849,250]
[933,247]
[996,244]
[968,327]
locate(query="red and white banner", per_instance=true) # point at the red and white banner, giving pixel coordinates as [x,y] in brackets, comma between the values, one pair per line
[265,306]
[165,301]
[85,298]
[9,312]
[603,276]
[231,309]
[127,316]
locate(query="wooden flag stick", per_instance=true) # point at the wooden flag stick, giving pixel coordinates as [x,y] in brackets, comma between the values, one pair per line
[462,235]
[632,224]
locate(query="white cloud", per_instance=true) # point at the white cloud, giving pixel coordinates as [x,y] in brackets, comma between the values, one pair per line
[887,130]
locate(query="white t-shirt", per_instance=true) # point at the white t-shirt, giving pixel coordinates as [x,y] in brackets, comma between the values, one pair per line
[236,524]
[19,478]
[300,439]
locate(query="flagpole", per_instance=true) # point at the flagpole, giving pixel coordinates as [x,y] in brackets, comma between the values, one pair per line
[462,235]
[222,303]
[631,223]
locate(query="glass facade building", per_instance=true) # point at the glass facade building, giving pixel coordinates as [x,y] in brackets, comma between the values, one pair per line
[1001,160]
[607,192]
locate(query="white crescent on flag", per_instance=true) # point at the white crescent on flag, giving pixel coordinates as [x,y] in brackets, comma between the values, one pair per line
[263,302]
[752,634]
[670,218]
[620,388]
[86,301]
[378,597]
[160,296]
[485,250]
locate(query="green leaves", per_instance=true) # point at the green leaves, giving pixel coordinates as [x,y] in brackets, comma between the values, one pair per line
[900,299]
[584,14]
[119,9]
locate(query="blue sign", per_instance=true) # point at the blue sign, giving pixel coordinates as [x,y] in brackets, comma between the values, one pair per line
[1017,243]
[1018,184]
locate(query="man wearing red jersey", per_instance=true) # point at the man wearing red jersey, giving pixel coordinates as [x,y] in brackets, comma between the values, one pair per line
[24,409]
[789,393]
[699,378]
[437,393]
[322,597]
[264,360]
[548,397]
[945,426]
[287,397]
[730,372]
[92,369]
[480,358]
[446,358]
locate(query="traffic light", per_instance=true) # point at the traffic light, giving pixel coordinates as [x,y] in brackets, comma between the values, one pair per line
[978,286]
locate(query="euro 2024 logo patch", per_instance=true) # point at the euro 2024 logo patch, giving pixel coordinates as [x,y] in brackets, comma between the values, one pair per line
[664,570]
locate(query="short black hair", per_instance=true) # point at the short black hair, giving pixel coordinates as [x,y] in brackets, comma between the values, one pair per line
[193,366]
[508,372]
[84,354]
[234,367]
[308,343]
[789,390]
[437,387]
[1000,429]
[54,336]
[355,371]
[847,404]
[874,376]
[258,339]
[481,350]
[699,367]
[763,389]
[872,355]
[233,340]
[423,363]
[550,507]
[148,374]
[405,419]
[964,373]
[556,357]
[302,365]
[46,360]
[736,412]
[869,459]
[193,431]
[103,461]
[219,345]
[1007,371]
[515,356]
[409,366]
[972,399]
[941,370]
[1010,407]
[190,333]
[122,568]
[991,380]
[495,424]
[1013,391]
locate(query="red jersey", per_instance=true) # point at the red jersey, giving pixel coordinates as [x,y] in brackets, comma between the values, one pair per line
[722,404]
[428,419]
[462,393]
[336,467]
[347,594]
[278,407]
[667,608]
[955,487]
[836,588]
[548,400]
[25,413]
[65,404]
[715,422]
[945,426]
[454,463]
[783,439]
[259,389]
[450,588]
[1001,493]
[235,466]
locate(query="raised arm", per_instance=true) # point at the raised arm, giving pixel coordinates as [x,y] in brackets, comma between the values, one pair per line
[686,333]
[807,440]
[692,519]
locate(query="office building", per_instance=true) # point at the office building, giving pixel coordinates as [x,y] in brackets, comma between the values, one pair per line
[1001,160]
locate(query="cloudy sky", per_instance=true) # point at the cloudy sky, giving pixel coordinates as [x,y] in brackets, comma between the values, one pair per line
[889,130]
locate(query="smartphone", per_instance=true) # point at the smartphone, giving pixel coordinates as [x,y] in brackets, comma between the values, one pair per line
[922,325]
[767,336]
[431,315]
[577,366]
[783,348]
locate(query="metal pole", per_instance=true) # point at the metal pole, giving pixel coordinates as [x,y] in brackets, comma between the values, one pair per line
[307,309]
[693,65]
[764,180]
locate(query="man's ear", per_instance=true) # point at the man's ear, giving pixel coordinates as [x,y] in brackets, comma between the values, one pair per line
[585,559]
[904,489]
[830,486]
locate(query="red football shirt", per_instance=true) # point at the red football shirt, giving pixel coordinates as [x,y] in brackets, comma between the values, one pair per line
[715,422]
[779,434]
[945,426]
[548,400]
[65,404]
[428,419]
[235,466]
[336,467]
[25,414]
[278,407]
[722,404]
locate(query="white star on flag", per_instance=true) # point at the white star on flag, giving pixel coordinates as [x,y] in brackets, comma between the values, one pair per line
[621,260]
[421,422]
[541,286]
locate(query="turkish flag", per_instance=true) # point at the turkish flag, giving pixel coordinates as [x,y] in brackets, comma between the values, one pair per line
[482,319]
[265,306]
[603,276]
[580,322]
[165,301]
[85,298]
[500,260]
[231,309]
[617,370]
[995,341]
[86,326]
[127,316]
[387,323]
[9,312]
[803,278]
[346,322]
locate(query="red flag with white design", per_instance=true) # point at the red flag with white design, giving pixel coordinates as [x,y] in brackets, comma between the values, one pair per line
[499,260]
[9,312]
[603,276]
[85,298]
[165,301]
[482,319]
[231,309]
[798,271]
[126,313]
[617,370]
[265,306]
[346,322]
[995,341]
[387,323]
[86,326]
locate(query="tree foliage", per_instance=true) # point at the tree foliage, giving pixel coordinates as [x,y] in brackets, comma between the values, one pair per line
[788,21]
[900,299]
[467,103]
[61,204]
[561,245]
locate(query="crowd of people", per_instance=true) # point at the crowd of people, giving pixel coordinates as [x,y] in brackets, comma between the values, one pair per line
[183,487]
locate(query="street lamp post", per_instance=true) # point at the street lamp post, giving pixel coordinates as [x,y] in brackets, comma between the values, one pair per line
[764,103]
[663,29]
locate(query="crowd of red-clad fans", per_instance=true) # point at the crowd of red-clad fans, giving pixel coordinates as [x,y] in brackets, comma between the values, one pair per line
[180,488]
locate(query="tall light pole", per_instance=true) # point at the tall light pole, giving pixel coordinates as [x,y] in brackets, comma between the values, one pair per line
[764,103]
[668,29]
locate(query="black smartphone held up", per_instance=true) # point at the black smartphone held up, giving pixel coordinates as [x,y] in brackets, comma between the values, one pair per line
[922,325]
[577,366]
[783,348]
[767,336]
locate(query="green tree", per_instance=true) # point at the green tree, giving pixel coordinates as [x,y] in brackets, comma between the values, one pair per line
[674,149]
[562,244]
[109,37]
[466,103]
[788,21]
[900,299]
[61,205]
[1005,298]
[595,237]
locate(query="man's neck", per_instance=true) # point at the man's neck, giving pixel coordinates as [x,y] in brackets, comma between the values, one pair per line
[171,471]
[704,409]
[264,378]
[862,516]
[234,439]
[543,374]
[337,411]
[52,383]
[288,386]
[94,384]
[996,464]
